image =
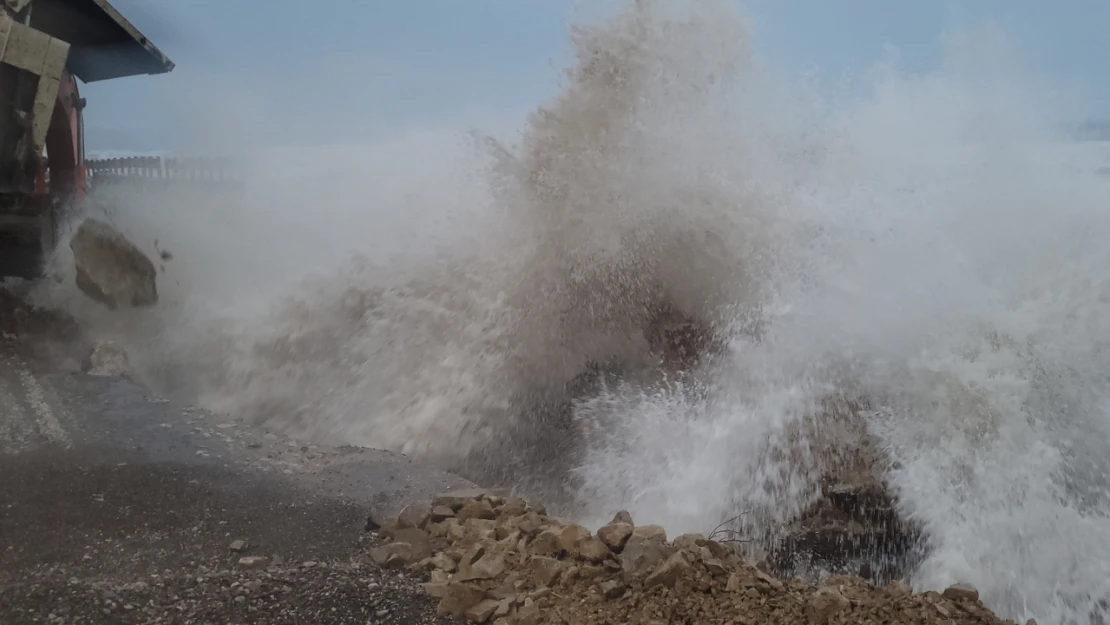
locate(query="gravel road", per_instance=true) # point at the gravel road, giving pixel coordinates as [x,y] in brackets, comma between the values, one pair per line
[117,507]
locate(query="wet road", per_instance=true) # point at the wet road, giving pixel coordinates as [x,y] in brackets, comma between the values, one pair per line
[99,481]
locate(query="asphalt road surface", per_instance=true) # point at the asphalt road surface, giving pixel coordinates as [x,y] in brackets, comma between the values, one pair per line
[116,507]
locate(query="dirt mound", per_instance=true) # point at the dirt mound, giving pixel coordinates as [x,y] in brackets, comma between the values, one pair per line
[498,560]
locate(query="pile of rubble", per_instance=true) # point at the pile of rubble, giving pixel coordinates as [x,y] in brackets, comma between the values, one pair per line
[493,559]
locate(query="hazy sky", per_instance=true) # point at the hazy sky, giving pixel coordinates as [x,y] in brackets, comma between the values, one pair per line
[325,71]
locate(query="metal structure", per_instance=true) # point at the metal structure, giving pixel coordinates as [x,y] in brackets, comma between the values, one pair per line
[46,46]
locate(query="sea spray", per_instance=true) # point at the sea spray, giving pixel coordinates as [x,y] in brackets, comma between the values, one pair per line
[921,252]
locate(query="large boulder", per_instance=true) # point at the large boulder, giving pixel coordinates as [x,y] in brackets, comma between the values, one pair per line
[854,526]
[110,269]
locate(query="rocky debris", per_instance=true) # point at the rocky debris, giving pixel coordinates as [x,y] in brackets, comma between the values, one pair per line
[853,527]
[961,592]
[615,536]
[250,563]
[826,604]
[238,546]
[515,565]
[110,269]
[622,517]
[106,359]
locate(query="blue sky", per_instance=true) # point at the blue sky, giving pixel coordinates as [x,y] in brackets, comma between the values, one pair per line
[331,71]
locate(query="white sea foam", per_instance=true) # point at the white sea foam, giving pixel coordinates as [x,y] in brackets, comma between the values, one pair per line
[931,247]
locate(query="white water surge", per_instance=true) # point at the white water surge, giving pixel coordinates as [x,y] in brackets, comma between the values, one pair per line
[931,248]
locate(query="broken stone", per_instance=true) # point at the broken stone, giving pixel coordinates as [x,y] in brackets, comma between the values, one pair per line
[650,532]
[443,562]
[418,539]
[507,589]
[615,536]
[238,546]
[640,555]
[504,533]
[413,517]
[528,614]
[458,598]
[545,570]
[824,604]
[718,550]
[529,524]
[394,555]
[539,593]
[569,538]
[456,499]
[898,589]
[768,581]
[387,527]
[472,555]
[613,589]
[490,566]
[456,533]
[106,359]
[442,513]
[110,269]
[483,525]
[513,507]
[668,573]
[689,542]
[593,550]
[437,589]
[438,577]
[961,592]
[482,611]
[372,523]
[440,529]
[592,572]
[622,517]
[476,509]
[715,567]
[251,563]
[546,544]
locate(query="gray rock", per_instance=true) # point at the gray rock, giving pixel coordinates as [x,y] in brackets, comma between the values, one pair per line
[961,592]
[112,270]
[107,360]
[639,555]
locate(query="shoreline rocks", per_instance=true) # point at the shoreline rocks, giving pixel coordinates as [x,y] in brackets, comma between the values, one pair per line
[508,563]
